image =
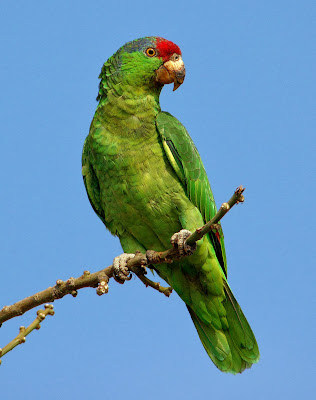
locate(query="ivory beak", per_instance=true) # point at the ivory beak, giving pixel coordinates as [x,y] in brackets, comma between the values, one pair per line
[172,70]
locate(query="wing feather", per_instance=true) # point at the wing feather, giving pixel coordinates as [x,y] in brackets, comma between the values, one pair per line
[91,182]
[187,163]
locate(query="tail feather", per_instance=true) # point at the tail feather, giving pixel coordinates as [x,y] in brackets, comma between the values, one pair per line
[238,363]
[233,349]
[239,328]
[214,342]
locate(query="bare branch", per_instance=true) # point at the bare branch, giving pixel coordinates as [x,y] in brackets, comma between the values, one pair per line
[58,291]
[100,279]
[236,198]
[21,337]
[155,285]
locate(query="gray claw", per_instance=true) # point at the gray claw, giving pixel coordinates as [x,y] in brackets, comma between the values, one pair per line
[121,272]
[178,240]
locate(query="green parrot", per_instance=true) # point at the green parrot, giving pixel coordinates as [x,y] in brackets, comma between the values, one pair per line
[145,180]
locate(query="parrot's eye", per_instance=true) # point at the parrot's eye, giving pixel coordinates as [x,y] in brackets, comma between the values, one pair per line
[150,52]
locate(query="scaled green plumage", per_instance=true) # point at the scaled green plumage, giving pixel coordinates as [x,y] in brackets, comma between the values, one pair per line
[146,181]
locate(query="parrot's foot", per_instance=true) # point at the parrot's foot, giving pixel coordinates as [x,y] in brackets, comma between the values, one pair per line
[178,240]
[120,270]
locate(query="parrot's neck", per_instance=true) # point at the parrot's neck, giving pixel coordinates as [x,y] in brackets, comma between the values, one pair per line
[130,97]
[132,101]
[117,84]
[131,107]
[118,99]
[132,113]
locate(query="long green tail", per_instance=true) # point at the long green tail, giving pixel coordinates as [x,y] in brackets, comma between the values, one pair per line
[234,349]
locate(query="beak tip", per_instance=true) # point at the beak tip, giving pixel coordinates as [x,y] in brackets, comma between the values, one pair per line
[177,84]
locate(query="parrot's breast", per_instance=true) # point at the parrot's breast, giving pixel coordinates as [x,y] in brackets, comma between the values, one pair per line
[140,191]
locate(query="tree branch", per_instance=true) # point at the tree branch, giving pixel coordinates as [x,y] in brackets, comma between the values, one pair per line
[101,278]
[21,337]
[236,198]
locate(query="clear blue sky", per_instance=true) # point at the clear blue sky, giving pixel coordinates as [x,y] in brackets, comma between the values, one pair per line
[247,102]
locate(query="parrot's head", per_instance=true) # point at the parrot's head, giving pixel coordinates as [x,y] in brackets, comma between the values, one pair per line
[144,64]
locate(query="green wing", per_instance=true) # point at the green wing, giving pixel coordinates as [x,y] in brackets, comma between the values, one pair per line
[187,163]
[91,182]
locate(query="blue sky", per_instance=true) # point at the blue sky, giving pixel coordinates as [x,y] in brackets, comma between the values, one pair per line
[247,102]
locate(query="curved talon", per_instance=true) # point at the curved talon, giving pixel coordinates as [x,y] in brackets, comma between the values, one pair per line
[178,240]
[120,270]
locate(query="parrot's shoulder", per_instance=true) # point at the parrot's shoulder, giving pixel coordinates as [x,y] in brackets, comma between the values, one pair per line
[170,127]
[181,148]
[177,141]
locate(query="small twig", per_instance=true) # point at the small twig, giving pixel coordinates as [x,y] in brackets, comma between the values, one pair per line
[21,337]
[156,285]
[140,272]
[236,198]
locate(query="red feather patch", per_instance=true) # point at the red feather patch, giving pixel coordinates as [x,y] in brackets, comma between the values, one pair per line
[166,48]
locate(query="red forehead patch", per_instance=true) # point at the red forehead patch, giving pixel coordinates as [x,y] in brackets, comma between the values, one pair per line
[166,48]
